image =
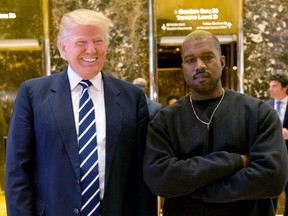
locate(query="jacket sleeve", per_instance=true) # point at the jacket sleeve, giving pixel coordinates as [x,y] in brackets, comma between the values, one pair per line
[18,187]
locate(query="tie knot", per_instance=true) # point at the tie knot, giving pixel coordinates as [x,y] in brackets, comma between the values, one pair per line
[85,83]
[278,102]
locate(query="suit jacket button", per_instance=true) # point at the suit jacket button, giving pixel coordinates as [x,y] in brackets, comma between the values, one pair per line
[76,211]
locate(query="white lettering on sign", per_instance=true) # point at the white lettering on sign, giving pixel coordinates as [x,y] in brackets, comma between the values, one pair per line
[197,14]
[201,14]
[8,15]
[176,27]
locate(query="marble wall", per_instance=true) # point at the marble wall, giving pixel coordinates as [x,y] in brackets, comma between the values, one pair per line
[265,27]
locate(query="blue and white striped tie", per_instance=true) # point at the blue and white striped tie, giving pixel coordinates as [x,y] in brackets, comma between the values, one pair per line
[88,154]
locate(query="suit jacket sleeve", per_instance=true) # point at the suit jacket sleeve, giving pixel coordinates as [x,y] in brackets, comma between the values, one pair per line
[18,187]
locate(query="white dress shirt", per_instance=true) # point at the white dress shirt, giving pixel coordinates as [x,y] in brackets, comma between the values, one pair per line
[96,92]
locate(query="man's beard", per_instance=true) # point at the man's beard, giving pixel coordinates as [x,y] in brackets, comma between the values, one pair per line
[205,89]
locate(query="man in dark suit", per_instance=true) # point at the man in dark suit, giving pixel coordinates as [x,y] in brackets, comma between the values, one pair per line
[278,88]
[153,106]
[43,175]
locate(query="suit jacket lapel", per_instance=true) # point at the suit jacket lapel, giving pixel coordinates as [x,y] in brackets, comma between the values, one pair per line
[61,104]
[114,118]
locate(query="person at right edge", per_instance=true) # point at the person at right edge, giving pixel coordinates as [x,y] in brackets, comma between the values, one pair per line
[215,152]
[278,88]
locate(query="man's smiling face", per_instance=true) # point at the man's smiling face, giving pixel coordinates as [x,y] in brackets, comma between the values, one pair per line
[85,50]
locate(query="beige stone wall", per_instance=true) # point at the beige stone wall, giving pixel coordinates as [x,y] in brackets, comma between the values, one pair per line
[265,30]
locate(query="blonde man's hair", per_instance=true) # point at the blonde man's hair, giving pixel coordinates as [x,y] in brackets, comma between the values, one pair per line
[83,17]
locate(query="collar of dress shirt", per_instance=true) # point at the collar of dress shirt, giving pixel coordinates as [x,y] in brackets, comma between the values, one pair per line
[284,100]
[74,79]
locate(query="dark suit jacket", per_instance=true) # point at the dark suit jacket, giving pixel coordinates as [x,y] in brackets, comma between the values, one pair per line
[153,108]
[42,167]
[285,122]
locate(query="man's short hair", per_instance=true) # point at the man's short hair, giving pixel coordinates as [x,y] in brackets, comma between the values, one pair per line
[281,78]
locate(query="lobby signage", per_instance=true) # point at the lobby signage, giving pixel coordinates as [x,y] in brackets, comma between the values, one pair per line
[20,20]
[178,18]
